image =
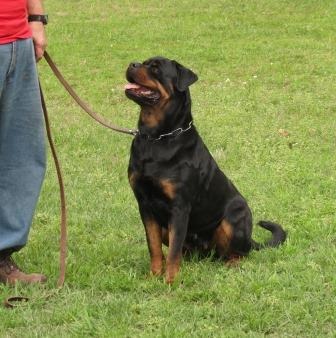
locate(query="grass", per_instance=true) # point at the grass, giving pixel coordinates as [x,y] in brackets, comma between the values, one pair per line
[265,106]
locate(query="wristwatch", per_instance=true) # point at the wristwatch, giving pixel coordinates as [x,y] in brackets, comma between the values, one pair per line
[40,18]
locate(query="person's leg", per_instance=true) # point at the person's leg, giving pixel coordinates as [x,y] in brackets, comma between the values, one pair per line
[22,144]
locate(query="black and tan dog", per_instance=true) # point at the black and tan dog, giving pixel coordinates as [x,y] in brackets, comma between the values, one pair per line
[185,200]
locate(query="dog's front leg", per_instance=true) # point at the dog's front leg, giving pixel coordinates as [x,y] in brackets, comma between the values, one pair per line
[154,241]
[177,234]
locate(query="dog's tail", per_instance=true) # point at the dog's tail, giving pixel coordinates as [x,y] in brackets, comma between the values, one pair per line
[278,236]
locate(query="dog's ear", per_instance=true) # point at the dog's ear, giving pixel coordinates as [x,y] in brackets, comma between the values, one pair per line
[185,77]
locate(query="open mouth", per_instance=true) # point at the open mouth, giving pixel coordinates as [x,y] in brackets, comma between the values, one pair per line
[136,90]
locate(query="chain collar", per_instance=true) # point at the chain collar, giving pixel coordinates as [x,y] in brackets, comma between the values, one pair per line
[173,133]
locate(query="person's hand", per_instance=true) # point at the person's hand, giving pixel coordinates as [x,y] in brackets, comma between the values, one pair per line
[39,38]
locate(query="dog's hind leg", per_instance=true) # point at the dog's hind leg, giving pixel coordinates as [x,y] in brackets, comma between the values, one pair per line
[222,239]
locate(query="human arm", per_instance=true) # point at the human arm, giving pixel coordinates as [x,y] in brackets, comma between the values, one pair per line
[35,7]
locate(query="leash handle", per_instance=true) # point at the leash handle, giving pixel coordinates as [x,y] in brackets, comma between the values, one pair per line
[63,229]
[81,103]
[11,302]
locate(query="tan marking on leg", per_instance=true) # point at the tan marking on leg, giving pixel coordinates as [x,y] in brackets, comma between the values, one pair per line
[173,259]
[169,189]
[154,240]
[222,238]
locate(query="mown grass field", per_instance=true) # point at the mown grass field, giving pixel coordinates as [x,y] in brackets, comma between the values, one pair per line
[265,106]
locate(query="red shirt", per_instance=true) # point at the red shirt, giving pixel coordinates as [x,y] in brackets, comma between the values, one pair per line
[13,21]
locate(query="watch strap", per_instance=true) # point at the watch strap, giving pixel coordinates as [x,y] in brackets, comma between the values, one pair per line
[38,17]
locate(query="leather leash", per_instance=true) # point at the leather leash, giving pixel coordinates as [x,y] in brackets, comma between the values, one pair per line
[81,103]
[10,302]
[63,229]
[96,117]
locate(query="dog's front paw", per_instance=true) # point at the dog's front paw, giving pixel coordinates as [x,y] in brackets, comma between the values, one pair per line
[157,267]
[233,260]
[171,273]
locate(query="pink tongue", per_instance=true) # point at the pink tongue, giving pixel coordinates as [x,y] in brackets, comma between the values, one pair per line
[132,86]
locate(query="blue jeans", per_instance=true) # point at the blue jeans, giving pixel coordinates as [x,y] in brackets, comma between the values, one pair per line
[22,143]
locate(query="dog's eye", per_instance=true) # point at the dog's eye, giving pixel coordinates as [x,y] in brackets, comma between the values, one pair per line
[154,68]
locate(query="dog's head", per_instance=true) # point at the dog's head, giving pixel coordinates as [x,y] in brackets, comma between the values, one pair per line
[157,81]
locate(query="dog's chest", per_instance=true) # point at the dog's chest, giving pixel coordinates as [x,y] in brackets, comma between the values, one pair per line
[153,161]
[152,183]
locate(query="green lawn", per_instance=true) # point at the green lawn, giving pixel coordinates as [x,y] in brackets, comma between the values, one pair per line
[265,106]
